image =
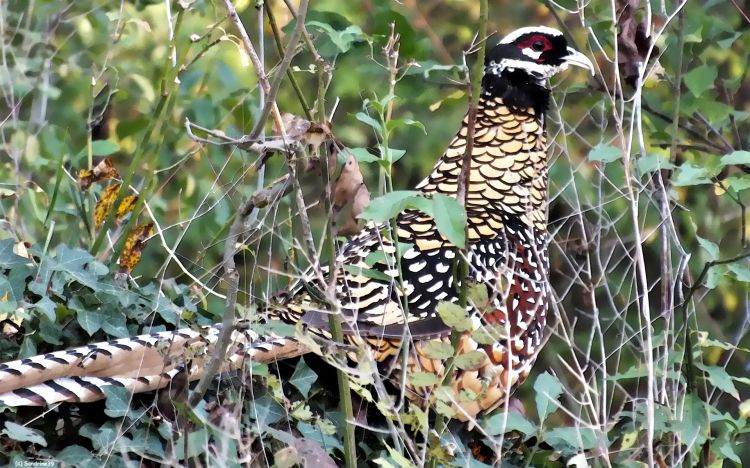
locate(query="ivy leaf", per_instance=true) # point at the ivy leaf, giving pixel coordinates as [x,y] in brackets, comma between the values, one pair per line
[267,411]
[454,316]
[303,378]
[118,401]
[548,391]
[605,153]
[90,320]
[21,433]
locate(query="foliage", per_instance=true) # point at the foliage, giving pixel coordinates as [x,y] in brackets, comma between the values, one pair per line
[649,170]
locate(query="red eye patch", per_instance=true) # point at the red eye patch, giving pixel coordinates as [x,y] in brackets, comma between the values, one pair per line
[537,43]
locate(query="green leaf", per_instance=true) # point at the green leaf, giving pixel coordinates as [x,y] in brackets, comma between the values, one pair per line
[75,455]
[266,411]
[118,401]
[489,334]
[437,349]
[343,39]
[710,247]
[396,123]
[701,79]
[423,379]
[502,423]
[691,174]
[454,316]
[450,218]
[736,157]
[548,390]
[362,155]
[571,439]
[477,294]
[104,148]
[605,153]
[652,163]
[387,206]
[90,320]
[741,271]
[21,433]
[470,361]
[692,425]
[720,379]
[738,183]
[7,257]
[366,119]
[303,378]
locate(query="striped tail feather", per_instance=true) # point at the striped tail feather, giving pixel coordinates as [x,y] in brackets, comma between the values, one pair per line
[139,364]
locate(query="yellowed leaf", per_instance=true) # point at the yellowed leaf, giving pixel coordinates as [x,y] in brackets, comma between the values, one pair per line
[102,171]
[131,252]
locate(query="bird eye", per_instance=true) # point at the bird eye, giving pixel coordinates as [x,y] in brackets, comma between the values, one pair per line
[538,46]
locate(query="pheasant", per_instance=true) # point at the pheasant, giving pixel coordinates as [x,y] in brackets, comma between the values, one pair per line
[397,307]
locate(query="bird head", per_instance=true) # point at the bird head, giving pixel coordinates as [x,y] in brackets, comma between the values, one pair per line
[538,51]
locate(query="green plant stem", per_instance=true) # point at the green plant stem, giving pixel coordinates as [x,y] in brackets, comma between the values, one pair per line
[280,50]
[474,88]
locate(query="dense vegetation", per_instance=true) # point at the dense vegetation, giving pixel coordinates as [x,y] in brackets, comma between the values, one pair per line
[649,355]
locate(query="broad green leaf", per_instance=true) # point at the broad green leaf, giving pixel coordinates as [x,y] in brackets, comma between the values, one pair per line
[423,379]
[118,401]
[605,153]
[454,316]
[736,157]
[387,206]
[700,79]
[437,349]
[691,174]
[741,271]
[450,218]
[266,411]
[502,423]
[320,434]
[720,379]
[104,148]
[396,123]
[653,162]
[90,320]
[548,391]
[738,183]
[75,455]
[303,378]
[710,247]
[489,334]
[21,433]
[571,439]
[344,39]
[692,425]
[470,361]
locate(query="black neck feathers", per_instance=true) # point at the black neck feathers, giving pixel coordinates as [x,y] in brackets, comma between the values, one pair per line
[517,89]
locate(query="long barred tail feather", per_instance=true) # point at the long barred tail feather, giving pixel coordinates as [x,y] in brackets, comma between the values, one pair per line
[139,364]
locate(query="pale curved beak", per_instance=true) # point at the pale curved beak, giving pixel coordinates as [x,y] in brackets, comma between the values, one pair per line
[579,60]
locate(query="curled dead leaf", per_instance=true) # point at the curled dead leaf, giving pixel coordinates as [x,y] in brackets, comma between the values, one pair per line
[102,171]
[104,205]
[633,41]
[131,253]
[350,196]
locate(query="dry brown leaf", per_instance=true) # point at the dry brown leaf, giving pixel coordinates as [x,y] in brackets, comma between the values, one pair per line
[102,171]
[632,41]
[126,206]
[131,253]
[105,204]
[350,194]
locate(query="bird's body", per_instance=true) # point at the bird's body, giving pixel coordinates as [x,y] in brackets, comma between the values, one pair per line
[388,299]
